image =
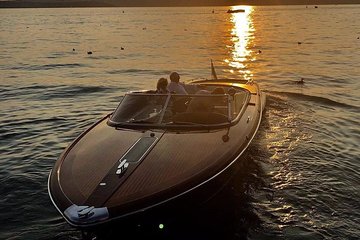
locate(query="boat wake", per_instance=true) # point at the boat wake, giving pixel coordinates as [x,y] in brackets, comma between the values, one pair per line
[314,99]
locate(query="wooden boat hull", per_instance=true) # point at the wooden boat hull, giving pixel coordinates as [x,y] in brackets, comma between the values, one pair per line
[109,173]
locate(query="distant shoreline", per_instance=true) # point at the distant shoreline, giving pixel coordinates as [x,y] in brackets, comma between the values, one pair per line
[89,3]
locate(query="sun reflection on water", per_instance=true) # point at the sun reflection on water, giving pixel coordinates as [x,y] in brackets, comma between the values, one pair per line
[241,37]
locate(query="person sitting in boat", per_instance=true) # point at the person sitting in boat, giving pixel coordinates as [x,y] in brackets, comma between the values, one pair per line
[161,86]
[205,104]
[175,86]
[218,90]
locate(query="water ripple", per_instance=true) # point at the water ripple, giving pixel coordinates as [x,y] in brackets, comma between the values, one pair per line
[46,66]
[316,99]
[138,71]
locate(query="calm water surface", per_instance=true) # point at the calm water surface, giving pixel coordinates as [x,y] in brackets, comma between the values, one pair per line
[300,177]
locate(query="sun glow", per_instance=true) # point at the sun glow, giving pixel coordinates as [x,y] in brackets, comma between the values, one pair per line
[241,36]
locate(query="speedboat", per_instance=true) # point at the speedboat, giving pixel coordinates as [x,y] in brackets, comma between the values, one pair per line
[155,151]
[235,11]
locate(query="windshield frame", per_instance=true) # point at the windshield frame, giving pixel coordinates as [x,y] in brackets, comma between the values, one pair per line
[185,125]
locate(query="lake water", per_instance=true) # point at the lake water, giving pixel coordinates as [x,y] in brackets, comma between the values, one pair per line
[300,178]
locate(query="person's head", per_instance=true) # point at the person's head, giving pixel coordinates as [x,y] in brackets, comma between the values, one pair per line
[174,77]
[162,85]
[218,90]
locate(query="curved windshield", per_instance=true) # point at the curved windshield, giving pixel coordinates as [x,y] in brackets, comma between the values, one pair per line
[168,109]
[140,108]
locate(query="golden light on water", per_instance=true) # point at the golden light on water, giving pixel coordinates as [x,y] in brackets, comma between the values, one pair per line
[241,37]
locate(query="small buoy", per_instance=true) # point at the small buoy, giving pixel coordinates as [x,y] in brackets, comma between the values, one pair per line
[259,51]
[185,29]
[316,7]
[73,49]
[122,48]
[299,43]
[144,28]
[89,52]
[358,37]
[123,11]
